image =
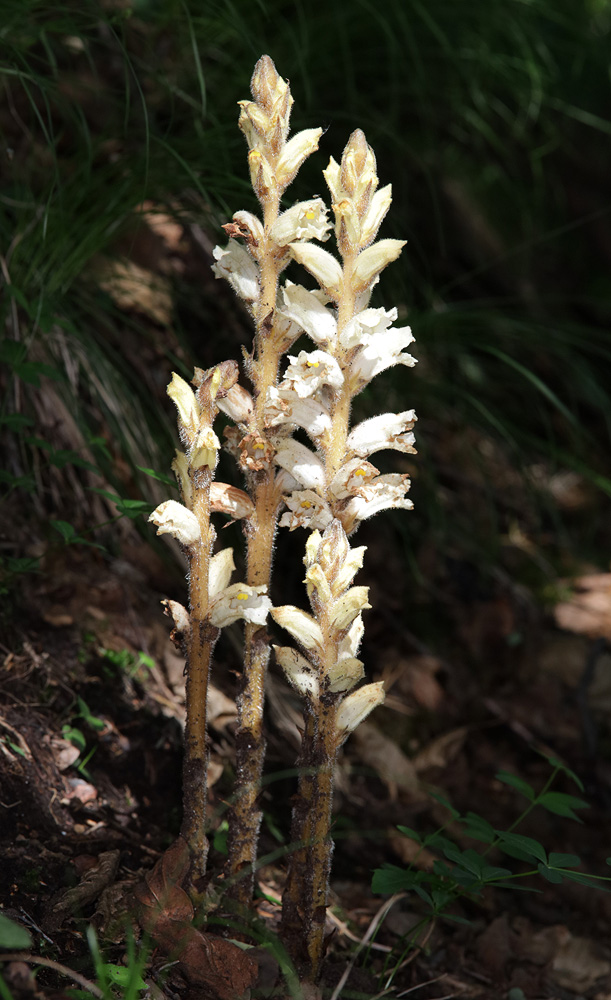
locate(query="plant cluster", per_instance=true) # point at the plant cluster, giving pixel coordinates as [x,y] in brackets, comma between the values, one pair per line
[328,487]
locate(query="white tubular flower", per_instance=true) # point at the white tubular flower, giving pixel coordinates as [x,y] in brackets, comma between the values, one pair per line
[237,403]
[309,371]
[389,430]
[303,464]
[382,351]
[356,707]
[302,626]
[204,452]
[352,477]
[321,265]
[299,671]
[284,406]
[285,483]
[189,411]
[240,601]
[307,220]
[332,175]
[373,260]
[349,568]
[237,266]
[384,493]
[348,606]
[380,203]
[361,327]
[230,500]
[306,510]
[306,310]
[294,153]
[344,674]
[171,518]
[180,468]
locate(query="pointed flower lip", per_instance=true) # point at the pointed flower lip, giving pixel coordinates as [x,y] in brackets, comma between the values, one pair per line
[302,626]
[306,510]
[171,518]
[344,674]
[240,601]
[386,431]
[298,671]
[189,412]
[349,645]
[310,371]
[380,203]
[235,264]
[379,352]
[307,220]
[302,464]
[295,152]
[348,606]
[305,309]
[220,569]
[373,260]
[356,707]
[321,265]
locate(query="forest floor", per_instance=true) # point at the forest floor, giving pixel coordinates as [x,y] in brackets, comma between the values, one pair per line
[92,694]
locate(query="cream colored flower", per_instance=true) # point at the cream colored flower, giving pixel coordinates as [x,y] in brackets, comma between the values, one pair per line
[189,412]
[373,260]
[219,572]
[307,220]
[240,601]
[237,403]
[171,518]
[299,671]
[345,609]
[384,493]
[321,264]
[302,626]
[344,674]
[306,510]
[302,464]
[379,352]
[388,430]
[204,452]
[179,615]
[238,268]
[306,309]
[356,707]
[310,371]
[284,406]
[294,154]
[180,468]
[364,324]
[230,500]
[352,477]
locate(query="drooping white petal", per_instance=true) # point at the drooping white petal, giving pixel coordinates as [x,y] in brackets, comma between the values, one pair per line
[302,626]
[388,430]
[219,574]
[384,493]
[309,371]
[305,221]
[303,464]
[306,510]
[373,260]
[294,153]
[382,351]
[356,707]
[306,310]
[321,264]
[364,324]
[299,671]
[238,268]
[240,601]
[347,607]
[171,518]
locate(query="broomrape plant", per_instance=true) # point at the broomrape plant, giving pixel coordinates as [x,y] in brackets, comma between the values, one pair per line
[327,488]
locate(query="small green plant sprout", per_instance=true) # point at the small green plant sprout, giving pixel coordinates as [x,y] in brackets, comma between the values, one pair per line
[458,873]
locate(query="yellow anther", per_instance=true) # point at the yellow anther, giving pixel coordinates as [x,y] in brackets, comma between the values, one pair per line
[242,597]
[310,214]
[313,364]
[360,472]
[259,446]
[306,504]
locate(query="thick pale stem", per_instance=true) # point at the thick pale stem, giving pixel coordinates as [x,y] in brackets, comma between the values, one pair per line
[322,844]
[201,644]
[245,816]
[301,833]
